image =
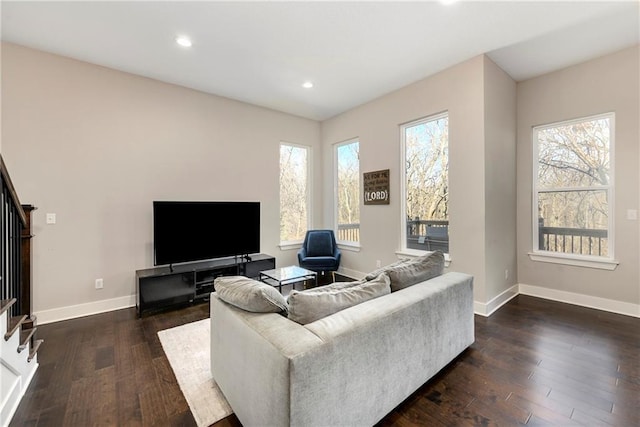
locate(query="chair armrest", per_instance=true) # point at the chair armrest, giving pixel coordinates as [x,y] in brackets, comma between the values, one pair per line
[302,254]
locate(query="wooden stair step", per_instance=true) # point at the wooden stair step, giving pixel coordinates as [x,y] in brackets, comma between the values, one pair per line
[34,349]
[14,325]
[6,303]
[25,338]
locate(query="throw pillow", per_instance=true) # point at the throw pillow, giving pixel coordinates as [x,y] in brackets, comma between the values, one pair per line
[416,270]
[385,269]
[311,305]
[335,285]
[249,294]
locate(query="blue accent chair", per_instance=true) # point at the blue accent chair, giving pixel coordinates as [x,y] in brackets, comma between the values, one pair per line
[319,251]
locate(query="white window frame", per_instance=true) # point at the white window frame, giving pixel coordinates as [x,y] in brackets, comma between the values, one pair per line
[591,261]
[296,244]
[403,252]
[346,244]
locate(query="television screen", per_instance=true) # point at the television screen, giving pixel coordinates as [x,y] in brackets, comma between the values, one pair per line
[192,231]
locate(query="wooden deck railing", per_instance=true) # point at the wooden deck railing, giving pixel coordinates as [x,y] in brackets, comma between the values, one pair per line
[421,234]
[582,241]
[428,234]
[348,232]
[431,235]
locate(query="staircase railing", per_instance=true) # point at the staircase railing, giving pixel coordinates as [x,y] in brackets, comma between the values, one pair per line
[13,223]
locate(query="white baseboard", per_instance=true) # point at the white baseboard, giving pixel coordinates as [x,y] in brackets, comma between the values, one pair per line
[613,306]
[487,309]
[483,309]
[81,310]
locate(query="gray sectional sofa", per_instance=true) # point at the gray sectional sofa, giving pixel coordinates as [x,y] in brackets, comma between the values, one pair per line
[350,368]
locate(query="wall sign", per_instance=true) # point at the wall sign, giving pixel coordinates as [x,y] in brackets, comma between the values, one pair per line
[376,187]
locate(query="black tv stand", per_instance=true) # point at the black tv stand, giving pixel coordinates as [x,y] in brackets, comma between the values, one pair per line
[166,286]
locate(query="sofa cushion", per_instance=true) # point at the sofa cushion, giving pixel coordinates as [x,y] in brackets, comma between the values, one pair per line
[319,261]
[385,269]
[335,285]
[313,304]
[416,270]
[249,294]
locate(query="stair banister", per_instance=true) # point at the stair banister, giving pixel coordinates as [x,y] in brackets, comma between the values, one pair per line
[18,345]
[13,221]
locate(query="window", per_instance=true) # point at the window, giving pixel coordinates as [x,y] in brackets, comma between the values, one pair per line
[573,183]
[347,191]
[425,149]
[294,192]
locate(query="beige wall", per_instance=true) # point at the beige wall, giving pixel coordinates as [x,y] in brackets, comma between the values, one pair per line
[96,146]
[460,90]
[607,84]
[500,179]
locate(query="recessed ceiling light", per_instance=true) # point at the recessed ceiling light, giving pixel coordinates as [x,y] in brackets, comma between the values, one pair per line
[184,41]
[307,85]
[447,2]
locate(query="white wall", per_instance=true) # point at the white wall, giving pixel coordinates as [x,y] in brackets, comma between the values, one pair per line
[96,146]
[460,90]
[602,85]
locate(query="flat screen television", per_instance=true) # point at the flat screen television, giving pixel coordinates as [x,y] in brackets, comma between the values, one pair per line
[194,231]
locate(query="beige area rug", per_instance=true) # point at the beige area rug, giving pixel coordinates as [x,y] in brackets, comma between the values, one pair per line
[188,351]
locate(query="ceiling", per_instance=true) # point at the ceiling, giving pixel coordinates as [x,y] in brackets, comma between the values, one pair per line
[353,52]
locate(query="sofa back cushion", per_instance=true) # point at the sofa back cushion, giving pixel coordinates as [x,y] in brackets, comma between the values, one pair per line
[408,272]
[385,269]
[313,304]
[416,270]
[249,294]
[336,285]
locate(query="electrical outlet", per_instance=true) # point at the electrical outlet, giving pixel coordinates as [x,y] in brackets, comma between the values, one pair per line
[506,274]
[378,264]
[51,218]
[99,284]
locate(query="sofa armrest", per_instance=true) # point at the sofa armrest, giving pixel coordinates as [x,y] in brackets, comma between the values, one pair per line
[250,360]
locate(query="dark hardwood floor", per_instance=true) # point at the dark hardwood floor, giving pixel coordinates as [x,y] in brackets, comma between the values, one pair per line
[534,362]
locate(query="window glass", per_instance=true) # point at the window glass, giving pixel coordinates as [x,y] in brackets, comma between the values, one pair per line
[294,192]
[426,184]
[348,191]
[573,187]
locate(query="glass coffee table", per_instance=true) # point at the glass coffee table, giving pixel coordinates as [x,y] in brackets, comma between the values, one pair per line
[287,276]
